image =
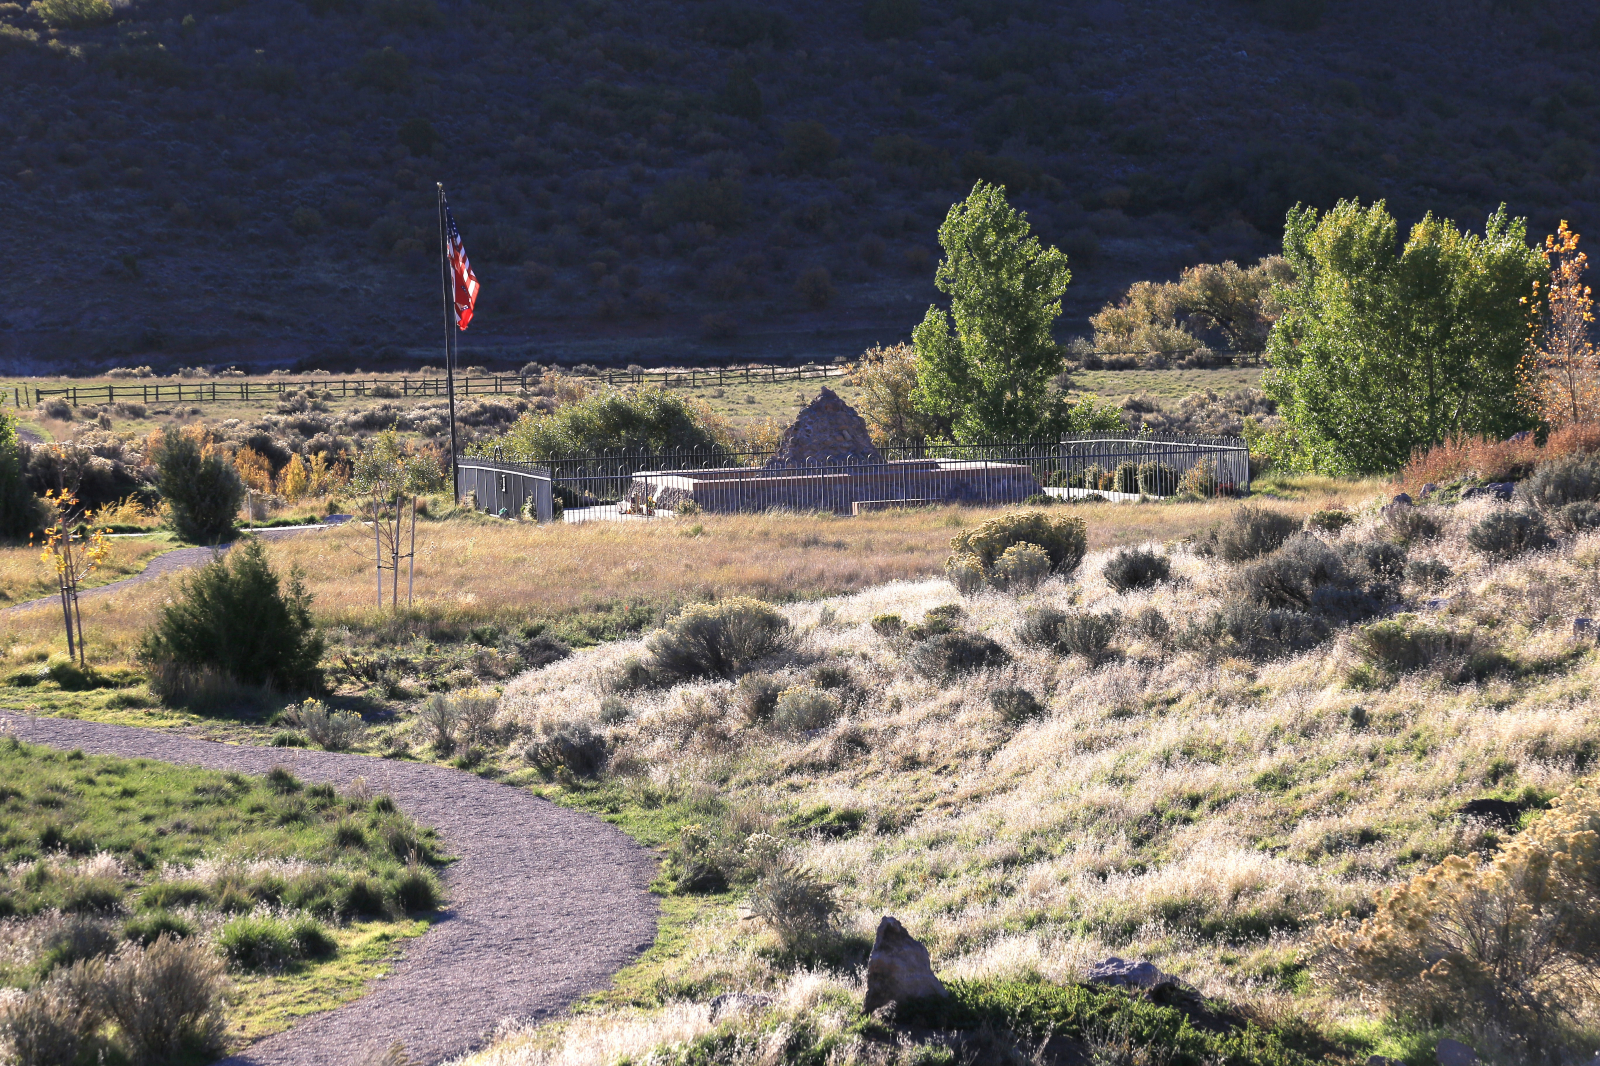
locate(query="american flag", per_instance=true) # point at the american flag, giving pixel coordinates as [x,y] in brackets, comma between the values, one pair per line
[466,282]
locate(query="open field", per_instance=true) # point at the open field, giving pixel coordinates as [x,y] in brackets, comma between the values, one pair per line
[1186,799]
[745,406]
[24,576]
[585,582]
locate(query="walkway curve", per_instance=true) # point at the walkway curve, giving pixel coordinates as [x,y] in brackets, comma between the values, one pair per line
[545,904]
[159,565]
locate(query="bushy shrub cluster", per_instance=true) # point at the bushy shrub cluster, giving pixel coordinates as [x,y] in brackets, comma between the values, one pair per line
[716,640]
[1136,568]
[1248,533]
[1422,957]
[1506,533]
[1016,551]
[1084,633]
[146,1004]
[1404,644]
[233,617]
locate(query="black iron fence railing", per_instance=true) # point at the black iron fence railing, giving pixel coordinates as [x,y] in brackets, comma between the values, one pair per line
[902,473]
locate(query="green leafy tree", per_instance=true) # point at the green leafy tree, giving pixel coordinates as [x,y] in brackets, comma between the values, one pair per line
[200,485]
[986,364]
[1383,348]
[20,512]
[235,618]
[644,419]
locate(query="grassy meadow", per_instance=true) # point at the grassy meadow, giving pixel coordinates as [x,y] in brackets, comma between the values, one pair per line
[302,891]
[482,582]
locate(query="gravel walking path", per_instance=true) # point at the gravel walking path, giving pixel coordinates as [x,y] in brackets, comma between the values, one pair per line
[545,904]
[165,563]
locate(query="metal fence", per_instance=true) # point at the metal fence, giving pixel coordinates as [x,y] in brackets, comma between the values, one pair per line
[507,489]
[628,485]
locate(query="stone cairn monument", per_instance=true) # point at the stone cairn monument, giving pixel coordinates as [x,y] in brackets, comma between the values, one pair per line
[826,461]
[827,430]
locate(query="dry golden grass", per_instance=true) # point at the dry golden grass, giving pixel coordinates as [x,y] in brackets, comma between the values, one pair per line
[471,568]
[25,576]
[1202,812]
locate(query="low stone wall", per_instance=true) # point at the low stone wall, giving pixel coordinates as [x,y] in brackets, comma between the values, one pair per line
[837,489]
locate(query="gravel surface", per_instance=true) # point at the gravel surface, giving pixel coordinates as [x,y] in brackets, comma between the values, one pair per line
[545,904]
[166,563]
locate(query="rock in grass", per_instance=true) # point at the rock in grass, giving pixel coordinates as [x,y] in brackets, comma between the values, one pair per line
[1114,971]
[898,968]
[1493,810]
[1455,1053]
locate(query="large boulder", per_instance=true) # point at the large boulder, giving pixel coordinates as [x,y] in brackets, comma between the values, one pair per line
[898,968]
[827,429]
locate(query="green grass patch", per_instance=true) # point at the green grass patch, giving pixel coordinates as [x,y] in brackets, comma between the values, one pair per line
[268,1002]
[66,807]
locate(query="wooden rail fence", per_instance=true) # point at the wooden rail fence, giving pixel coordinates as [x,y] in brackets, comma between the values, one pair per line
[214,390]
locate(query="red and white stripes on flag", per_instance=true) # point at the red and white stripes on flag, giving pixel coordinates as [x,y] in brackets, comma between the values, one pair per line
[466,282]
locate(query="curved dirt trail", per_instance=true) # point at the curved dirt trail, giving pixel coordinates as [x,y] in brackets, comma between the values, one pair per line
[165,563]
[545,904]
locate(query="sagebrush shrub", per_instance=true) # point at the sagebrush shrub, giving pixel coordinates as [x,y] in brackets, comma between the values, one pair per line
[1329,521]
[800,710]
[166,999]
[333,730]
[1039,627]
[717,639]
[1498,946]
[1242,626]
[49,1024]
[1016,705]
[1579,517]
[1429,573]
[234,617]
[439,719]
[1503,534]
[757,695]
[947,656]
[1408,525]
[1136,568]
[1568,479]
[1087,634]
[573,746]
[1385,561]
[1403,644]
[1150,624]
[795,904]
[1251,532]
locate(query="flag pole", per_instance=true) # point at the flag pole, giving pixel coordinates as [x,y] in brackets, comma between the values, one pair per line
[445,289]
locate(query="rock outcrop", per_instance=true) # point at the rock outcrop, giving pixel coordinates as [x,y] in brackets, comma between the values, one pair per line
[898,968]
[827,429]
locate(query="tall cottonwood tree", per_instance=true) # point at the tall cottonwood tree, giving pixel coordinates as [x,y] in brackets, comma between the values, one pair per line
[986,365]
[1384,348]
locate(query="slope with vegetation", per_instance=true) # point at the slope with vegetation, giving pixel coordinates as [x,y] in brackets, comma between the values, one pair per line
[1204,754]
[638,175]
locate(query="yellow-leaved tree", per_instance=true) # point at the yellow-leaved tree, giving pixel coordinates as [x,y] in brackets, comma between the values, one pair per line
[1561,371]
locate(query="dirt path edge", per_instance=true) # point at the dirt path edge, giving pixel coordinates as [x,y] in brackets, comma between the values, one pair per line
[545,904]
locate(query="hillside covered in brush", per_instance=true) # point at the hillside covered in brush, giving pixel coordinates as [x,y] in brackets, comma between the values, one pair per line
[253,182]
